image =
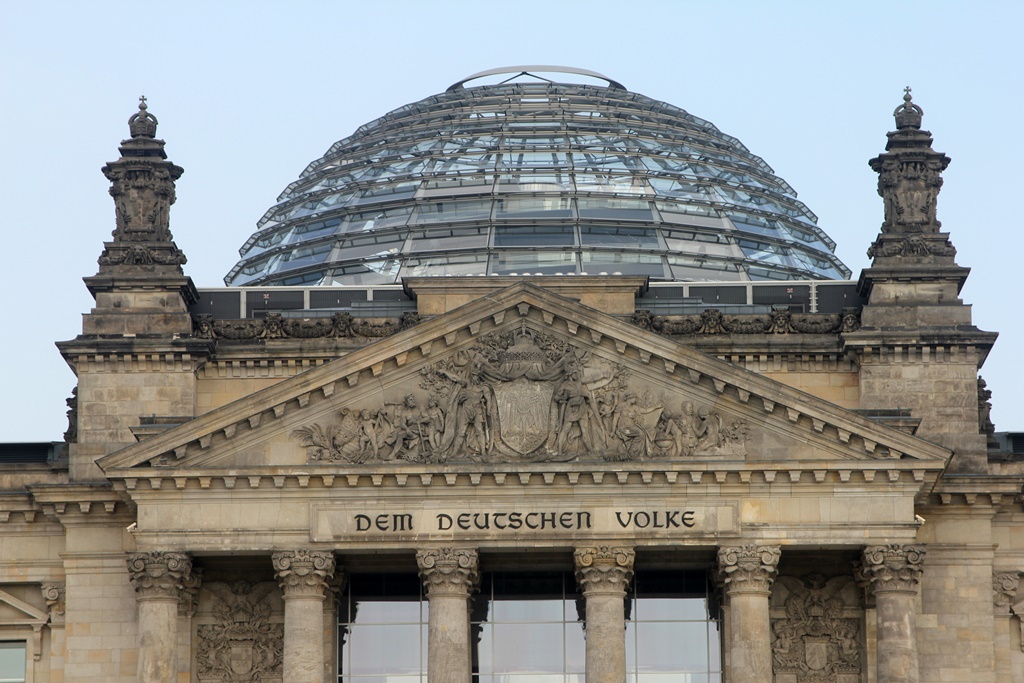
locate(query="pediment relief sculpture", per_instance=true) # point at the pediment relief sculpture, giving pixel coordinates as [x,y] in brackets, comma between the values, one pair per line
[524,396]
[242,643]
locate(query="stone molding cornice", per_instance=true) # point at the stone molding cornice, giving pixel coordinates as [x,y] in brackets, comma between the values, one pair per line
[753,393]
[893,568]
[159,575]
[604,570]
[1004,592]
[748,568]
[303,573]
[449,572]
[84,503]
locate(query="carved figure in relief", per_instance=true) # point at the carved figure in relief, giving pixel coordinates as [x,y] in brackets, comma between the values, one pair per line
[367,434]
[470,422]
[578,418]
[634,426]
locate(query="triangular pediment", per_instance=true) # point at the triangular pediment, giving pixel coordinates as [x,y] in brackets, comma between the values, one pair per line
[15,611]
[522,376]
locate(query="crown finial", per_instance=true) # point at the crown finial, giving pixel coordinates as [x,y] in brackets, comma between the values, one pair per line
[908,114]
[142,124]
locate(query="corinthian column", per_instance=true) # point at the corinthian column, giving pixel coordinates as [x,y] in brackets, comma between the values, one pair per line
[158,578]
[603,574]
[894,572]
[748,573]
[450,576]
[303,576]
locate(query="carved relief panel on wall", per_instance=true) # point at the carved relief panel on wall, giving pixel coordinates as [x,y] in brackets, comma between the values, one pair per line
[239,638]
[524,396]
[817,634]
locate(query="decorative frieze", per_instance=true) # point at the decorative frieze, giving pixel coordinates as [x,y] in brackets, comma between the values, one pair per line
[604,569]
[275,326]
[819,638]
[893,567]
[749,567]
[158,574]
[242,644]
[780,321]
[303,572]
[449,571]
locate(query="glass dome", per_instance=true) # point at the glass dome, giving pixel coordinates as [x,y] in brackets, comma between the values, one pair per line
[532,176]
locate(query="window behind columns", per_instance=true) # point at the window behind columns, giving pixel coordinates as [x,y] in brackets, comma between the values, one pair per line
[12,661]
[382,630]
[673,629]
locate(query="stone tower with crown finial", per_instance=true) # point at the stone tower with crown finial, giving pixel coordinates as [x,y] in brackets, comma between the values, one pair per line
[134,357]
[917,346]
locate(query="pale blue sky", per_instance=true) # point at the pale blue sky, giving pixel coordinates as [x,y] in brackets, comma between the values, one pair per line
[247,93]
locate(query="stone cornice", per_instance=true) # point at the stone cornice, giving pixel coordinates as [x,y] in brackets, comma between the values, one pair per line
[84,503]
[455,330]
[1000,491]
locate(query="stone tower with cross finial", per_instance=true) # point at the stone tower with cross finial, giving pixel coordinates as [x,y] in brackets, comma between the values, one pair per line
[917,346]
[133,358]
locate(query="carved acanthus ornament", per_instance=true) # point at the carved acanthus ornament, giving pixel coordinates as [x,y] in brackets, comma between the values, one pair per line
[893,568]
[781,321]
[819,638]
[1004,591]
[242,645]
[159,575]
[452,572]
[748,568]
[524,396]
[604,569]
[54,593]
[303,573]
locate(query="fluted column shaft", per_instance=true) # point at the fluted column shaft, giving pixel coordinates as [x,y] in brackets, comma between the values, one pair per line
[450,576]
[894,572]
[158,578]
[747,573]
[303,575]
[604,573]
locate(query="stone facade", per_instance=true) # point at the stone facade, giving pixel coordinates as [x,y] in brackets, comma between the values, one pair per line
[225,478]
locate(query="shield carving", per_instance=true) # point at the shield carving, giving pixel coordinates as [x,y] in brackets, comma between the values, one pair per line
[816,653]
[523,413]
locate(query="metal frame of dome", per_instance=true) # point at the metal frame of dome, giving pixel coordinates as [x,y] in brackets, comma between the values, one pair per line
[536,178]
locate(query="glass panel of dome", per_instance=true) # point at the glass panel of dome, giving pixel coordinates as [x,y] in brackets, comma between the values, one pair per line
[619,236]
[305,256]
[618,184]
[536,141]
[370,245]
[456,264]
[523,262]
[615,209]
[623,263]
[448,239]
[438,212]
[310,231]
[534,207]
[758,273]
[383,272]
[388,193]
[683,213]
[533,235]
[391,217]
[535,182]
[467,163]
[515,159]
[457,184]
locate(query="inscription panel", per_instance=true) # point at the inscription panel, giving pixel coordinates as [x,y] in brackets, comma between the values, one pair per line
[513,522]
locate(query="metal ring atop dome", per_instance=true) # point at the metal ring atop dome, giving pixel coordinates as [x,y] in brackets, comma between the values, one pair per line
[543,68]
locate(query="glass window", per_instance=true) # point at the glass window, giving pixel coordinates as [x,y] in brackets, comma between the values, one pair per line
[535,182]
[544,262]
[375,220]
[534,207]
[12,661]
[446,239]
[622,263]
[438,212]
[456,264]
[616,209]
[622,236]
[527,627]
[533,235]
[382,629]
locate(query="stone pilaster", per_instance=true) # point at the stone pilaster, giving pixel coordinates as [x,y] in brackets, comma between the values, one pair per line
[54,593]
[894,572]
[747,572]
[604,573]
[304,576]
[450,576]
[1004,594]
[159,579]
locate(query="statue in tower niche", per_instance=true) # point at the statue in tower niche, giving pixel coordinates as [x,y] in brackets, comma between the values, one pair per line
[523,396]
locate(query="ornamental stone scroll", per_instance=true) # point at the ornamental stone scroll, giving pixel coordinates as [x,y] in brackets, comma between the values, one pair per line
[748,567]
[893,567]
[304,572]
[604,569]
[449,571]
[159,574]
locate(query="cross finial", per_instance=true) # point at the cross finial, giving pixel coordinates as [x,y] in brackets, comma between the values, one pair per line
[142,102]
[906,94]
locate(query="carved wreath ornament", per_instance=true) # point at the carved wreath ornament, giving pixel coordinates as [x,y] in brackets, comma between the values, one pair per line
[524,396]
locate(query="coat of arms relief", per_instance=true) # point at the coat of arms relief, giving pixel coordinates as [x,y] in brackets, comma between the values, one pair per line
[524,396]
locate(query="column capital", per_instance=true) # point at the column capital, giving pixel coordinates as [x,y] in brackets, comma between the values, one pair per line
[1004,591]
[604,569]
[159,575]
[53,593]
[748,568]
[303,572]
[449,571]
[893,568]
